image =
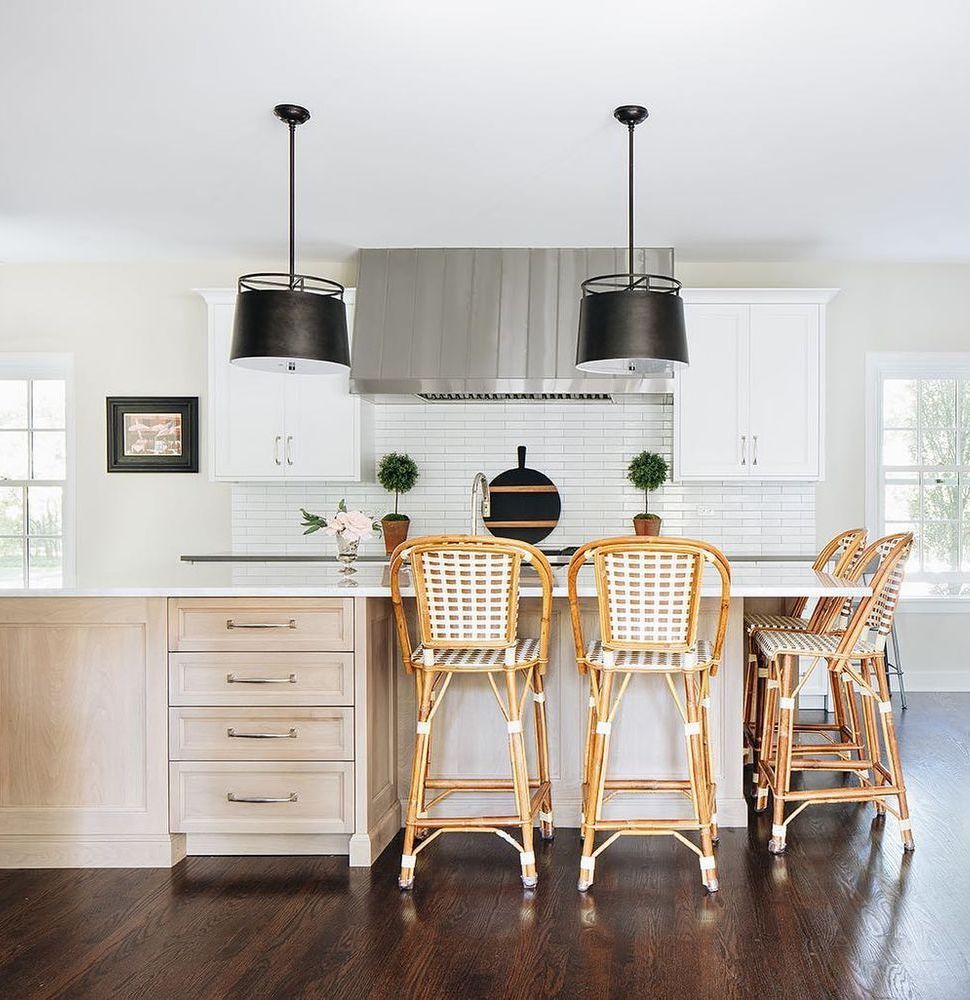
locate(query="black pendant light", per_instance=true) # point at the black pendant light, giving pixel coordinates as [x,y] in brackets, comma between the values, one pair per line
[290,322]
[631,324]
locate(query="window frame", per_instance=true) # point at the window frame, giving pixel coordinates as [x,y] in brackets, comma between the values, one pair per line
[884,365]
[52,366]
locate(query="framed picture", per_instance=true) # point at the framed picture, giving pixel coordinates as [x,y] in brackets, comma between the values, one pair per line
[153,434]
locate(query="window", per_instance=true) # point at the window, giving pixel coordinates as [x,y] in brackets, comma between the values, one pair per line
[35,499]
[919,471]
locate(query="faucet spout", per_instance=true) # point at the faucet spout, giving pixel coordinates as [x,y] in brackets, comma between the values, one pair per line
[481,503]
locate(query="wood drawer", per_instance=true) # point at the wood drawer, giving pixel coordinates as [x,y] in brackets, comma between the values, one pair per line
[261,678]
[313,797]
[260,623]
[261,733]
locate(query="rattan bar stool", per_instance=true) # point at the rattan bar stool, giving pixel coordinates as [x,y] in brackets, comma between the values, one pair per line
[467,595]
[841,557]
[648,590]
[856,660]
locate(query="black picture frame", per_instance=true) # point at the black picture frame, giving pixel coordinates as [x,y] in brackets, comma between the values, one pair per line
[187,407]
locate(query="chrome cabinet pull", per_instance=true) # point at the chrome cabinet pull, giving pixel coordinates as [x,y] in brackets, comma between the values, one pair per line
[292,797]
[276,449]
[289,449]
[234,624]
[233,679]
[755,440]
[232,734]
[744,449]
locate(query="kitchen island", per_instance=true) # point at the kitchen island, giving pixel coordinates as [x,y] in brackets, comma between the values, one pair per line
[141,724]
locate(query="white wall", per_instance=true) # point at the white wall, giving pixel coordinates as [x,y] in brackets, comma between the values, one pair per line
[882,307]
[135,329]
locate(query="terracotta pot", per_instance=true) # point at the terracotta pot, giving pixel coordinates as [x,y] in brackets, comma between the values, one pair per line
[647,525]
[395,531]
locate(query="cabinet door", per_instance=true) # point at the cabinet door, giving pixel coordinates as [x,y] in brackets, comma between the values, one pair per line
[245,409]
[322,423]
[711,402]
[785,414]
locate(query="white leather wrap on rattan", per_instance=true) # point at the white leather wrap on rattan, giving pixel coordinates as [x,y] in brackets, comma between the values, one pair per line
[648,594]
[643,659]
[880,618]
[468,594]
[524,651]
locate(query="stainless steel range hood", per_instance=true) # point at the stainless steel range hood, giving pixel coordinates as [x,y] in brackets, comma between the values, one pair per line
[483,325]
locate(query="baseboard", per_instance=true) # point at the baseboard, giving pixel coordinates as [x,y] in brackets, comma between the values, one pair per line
[240,844]
[39,851]
[934,680]
[366,848]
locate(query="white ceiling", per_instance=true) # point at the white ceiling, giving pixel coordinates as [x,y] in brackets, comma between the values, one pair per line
[830,128]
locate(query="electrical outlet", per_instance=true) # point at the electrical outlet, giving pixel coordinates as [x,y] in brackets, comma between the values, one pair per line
[706,512]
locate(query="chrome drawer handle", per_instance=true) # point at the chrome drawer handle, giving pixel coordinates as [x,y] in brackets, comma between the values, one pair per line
[233,679]
[234,624]
[232,734]
[755,439]
[292,797]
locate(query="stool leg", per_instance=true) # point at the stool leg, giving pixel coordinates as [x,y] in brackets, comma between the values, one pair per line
[898,666]
[711,786]
[782,773]
[697,764]
[520,782]
[546,828]
[593,799]
[872,731]
[424,683]
[766,747]
[892,750]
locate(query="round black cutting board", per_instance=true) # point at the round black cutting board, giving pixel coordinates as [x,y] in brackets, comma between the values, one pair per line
[525,504]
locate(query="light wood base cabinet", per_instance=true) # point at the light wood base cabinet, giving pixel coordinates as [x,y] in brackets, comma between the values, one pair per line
[83,733]
[282,726]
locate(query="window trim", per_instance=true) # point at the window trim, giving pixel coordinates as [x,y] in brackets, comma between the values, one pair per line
[61,366]
[904,364]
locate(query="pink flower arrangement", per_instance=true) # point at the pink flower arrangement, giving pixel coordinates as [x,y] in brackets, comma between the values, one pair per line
[351,525]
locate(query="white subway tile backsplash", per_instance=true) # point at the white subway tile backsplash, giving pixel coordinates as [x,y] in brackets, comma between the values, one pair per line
[584,449]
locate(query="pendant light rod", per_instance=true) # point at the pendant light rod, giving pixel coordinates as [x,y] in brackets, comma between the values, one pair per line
[292,115]
[630,206]
[292,128]
[630,115]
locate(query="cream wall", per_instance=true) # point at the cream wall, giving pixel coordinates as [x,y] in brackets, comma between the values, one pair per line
[135,329]
[881,307]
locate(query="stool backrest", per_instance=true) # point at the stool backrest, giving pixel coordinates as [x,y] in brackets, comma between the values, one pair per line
[467,590]
[839,551]
[874,614]
[648,590]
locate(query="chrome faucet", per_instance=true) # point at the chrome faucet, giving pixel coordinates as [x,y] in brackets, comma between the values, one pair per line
[481,502]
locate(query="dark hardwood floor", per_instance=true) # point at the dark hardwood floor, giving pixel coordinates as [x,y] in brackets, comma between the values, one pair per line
[843,914]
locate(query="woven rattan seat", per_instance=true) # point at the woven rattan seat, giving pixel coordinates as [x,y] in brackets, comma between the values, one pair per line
[699,657]
[524,653]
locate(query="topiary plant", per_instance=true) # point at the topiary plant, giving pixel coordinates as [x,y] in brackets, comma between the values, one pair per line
[648,472]
[397,474]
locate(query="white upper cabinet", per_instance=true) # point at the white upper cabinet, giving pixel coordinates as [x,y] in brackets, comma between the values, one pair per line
[750,404]
[269,426]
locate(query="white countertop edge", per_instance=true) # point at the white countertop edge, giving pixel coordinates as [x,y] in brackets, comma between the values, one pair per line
[378,590]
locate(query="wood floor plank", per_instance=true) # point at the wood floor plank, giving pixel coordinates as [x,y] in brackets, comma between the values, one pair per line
[843,914]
